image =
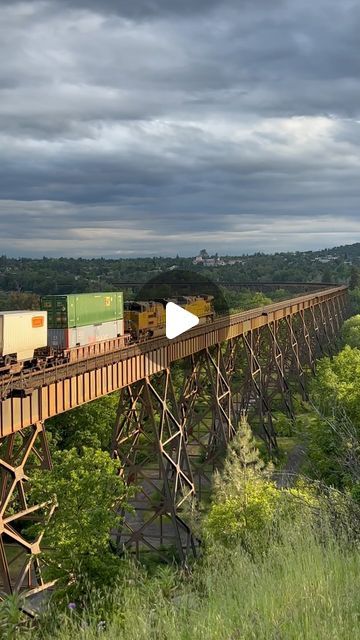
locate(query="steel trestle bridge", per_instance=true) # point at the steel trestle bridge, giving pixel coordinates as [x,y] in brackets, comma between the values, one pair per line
[179,405]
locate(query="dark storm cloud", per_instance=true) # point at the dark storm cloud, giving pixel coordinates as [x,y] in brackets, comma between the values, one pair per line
[161,121]
[143,9]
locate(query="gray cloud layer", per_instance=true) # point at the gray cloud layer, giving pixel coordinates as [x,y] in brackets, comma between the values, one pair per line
[156,126]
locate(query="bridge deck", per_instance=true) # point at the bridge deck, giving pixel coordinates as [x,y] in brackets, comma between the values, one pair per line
[64,387]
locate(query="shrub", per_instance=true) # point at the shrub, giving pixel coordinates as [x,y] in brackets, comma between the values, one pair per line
[245,518]
[89,494]
[351,331]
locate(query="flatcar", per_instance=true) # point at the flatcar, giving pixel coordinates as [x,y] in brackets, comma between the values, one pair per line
[147,319]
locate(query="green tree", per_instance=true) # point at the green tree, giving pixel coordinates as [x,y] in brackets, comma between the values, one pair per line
[245,518]
[325,450]
[327,275]
[89,495]
[247,507]
[354,282]
[90,425]
[351,332]
[336,384]
[244,499]
[355,300]
[334,431]
[242,462]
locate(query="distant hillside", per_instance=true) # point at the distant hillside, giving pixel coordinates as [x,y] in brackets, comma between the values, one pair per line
[346,250]
[71,275]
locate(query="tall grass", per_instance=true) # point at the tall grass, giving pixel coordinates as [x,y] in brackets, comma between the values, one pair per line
[301,589]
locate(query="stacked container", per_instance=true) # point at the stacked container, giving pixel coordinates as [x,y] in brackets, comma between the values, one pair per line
[80,319]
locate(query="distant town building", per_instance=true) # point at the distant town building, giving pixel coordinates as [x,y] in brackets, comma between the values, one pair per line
[209,262]
[214,261]
[325,259]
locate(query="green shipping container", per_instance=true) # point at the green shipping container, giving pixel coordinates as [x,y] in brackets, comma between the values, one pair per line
[81,309]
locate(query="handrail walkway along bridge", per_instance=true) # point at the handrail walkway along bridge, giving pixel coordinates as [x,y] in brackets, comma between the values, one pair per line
[179,405]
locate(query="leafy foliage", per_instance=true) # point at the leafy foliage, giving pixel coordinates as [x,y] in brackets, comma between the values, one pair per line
[243,300]
[248,508]
[351,332]
[336,383]
[244,518]
[90,425]
[284,424]
[89,494]
[354,281]
[355,300]
[333,433]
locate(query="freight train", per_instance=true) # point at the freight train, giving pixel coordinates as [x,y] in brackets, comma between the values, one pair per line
[69,328]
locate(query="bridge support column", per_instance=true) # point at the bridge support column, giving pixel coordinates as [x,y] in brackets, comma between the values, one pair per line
[256,356]
[277,360]
[20,567]
[208,413]
[305,342]
[295,365]
[168,445]
[149,442]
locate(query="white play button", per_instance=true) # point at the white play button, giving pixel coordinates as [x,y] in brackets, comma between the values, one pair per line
[178,320]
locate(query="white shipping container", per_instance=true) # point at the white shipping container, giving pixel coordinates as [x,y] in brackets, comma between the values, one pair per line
[81,336]
[21,332]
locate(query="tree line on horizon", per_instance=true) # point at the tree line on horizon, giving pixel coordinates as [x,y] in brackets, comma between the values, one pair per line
[73,275]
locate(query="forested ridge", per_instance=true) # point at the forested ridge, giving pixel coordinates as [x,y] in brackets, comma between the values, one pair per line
[278,559]
[68,275]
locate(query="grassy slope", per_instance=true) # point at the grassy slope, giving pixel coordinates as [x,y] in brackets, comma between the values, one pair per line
[302,590]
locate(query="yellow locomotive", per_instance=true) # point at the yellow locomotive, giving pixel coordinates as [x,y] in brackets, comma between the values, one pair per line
[147,319]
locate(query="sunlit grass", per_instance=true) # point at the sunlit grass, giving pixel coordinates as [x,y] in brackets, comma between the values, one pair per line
[302,589]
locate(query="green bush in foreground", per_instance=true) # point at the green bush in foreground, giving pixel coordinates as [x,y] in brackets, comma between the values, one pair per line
[89,494]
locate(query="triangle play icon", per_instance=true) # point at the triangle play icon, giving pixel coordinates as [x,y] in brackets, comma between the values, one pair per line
[178,320]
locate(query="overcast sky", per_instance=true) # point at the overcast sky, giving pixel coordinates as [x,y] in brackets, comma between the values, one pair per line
[156,127]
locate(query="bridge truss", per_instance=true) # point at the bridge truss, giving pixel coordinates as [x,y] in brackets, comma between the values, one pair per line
[180,403]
